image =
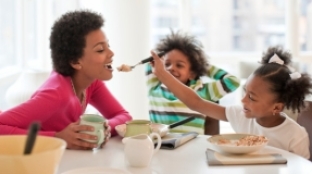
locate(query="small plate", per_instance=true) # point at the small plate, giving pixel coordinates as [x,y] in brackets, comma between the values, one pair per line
[226,143]
[97,170]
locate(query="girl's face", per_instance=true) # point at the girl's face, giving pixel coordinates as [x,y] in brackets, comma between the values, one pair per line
[259,101]
[178,65]
[97,57]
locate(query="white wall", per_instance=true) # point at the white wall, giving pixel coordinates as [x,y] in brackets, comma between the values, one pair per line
[128,28]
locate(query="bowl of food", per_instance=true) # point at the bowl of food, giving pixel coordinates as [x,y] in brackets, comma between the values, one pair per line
[237,143]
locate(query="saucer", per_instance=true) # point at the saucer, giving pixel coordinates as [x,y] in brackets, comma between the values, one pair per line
[97,170]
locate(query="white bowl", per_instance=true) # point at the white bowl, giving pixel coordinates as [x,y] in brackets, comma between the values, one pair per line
[231,147]
[161,129]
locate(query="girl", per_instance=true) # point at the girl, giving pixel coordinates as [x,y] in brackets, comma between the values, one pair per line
[269,89]
[185,59]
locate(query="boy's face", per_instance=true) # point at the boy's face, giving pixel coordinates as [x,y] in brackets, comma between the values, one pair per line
[178,65]
[259,101]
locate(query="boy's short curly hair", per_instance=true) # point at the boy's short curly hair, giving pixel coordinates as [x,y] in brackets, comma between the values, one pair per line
[68,38]
[189,46]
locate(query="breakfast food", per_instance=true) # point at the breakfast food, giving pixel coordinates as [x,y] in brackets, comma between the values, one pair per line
[124,68]
[249,140]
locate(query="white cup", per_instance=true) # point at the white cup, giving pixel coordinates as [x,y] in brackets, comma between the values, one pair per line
[97,122]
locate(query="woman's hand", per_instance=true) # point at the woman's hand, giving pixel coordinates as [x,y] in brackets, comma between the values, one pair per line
[71,134]
[107,133]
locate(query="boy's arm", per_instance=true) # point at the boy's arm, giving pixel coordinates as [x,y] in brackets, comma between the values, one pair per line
[185,94]
[223,83]
[152,80]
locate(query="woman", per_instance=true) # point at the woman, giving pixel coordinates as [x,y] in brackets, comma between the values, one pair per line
[81,60]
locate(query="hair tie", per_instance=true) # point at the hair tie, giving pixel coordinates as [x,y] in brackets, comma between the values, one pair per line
[276,59]
[293,75]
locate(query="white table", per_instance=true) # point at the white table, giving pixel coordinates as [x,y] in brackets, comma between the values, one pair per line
[187,159]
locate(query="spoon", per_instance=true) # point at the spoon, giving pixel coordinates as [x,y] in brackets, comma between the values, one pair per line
[31,137]
[149,59]
[127,68]
[173,125]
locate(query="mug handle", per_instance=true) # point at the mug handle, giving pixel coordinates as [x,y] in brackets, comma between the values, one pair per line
[158,141]
[100,135]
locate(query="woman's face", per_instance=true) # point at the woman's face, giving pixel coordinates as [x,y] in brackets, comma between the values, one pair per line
[178,65]
[259,101]
[97,57]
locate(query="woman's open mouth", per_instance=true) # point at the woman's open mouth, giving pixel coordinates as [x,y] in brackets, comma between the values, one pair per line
[108,66]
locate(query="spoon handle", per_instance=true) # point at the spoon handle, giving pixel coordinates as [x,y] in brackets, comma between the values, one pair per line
[151,58]
[173,125]
[31,137]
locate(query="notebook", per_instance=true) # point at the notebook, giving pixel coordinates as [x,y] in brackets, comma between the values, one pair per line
[174,140]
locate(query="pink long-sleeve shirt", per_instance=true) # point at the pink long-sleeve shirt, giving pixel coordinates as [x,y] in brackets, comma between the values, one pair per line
[55,106]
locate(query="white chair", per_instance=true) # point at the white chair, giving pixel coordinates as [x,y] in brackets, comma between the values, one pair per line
[26,84]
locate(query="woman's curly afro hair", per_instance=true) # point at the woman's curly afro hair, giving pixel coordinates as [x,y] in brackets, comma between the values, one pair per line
[68,38]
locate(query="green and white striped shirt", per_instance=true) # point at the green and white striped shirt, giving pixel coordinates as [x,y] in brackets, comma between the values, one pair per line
[165,108]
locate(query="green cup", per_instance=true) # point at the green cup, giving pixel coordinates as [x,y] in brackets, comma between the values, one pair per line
[137,127]
[97,122]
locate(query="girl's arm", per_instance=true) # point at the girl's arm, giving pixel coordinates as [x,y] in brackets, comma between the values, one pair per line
[185,94]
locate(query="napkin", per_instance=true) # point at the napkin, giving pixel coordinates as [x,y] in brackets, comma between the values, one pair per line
[174,140]
[215,158]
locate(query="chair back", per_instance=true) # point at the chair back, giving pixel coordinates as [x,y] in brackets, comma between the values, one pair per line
[305,120]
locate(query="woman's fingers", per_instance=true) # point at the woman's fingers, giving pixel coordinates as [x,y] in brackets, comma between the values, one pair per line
[82,145]
[78,128]
[84,136]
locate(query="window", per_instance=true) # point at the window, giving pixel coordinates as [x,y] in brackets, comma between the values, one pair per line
[8,34]
[230,25]
[305,23]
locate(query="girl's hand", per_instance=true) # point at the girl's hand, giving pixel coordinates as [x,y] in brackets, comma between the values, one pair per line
[107,133]
[157,64]
[71,134]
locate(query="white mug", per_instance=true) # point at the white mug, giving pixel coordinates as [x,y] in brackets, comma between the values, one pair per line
[139,149]
[97,122]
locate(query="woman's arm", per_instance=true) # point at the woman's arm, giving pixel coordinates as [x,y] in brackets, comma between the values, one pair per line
[185,94]
[39,108]
[103,100]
